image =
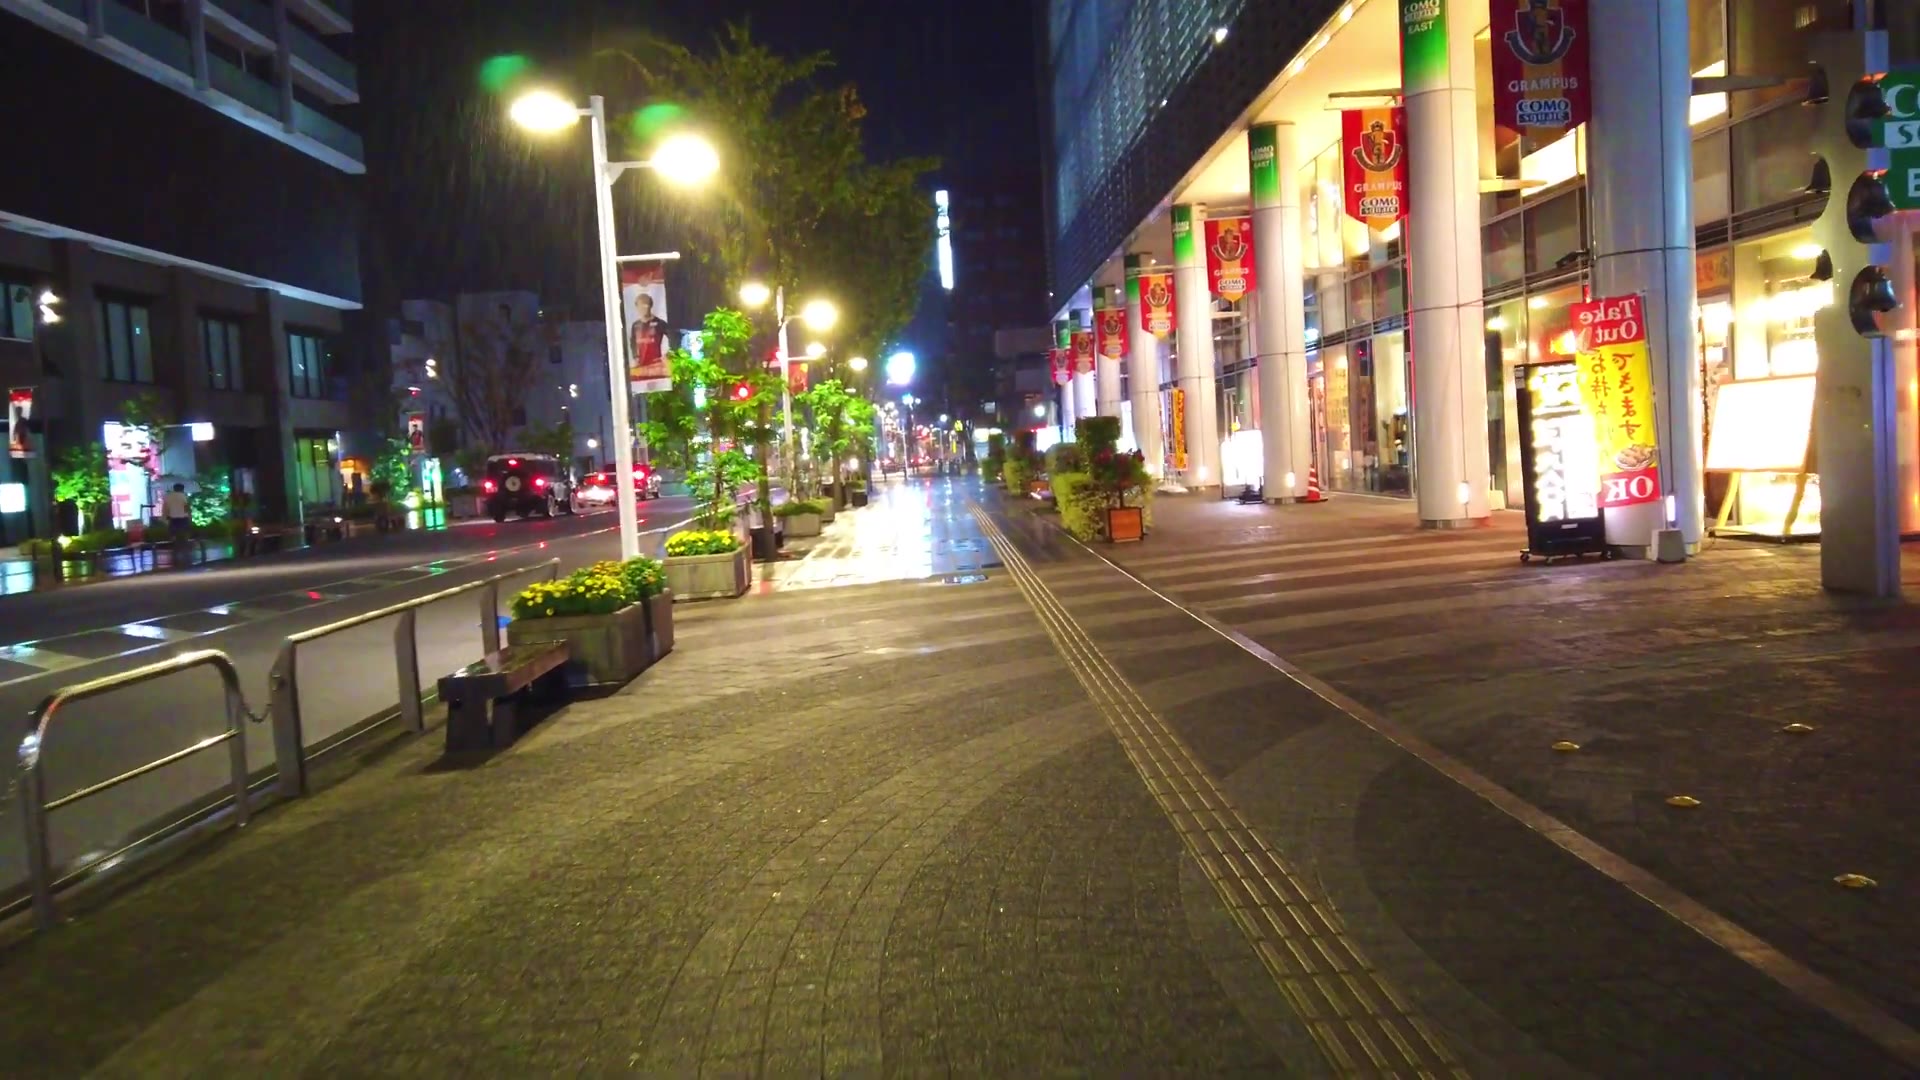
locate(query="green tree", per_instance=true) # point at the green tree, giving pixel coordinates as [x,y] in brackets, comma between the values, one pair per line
[211,499]
[80,477]
[392,469]
[556,440]
[712,442]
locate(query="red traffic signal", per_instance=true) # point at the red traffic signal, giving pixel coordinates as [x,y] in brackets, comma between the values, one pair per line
[742,391]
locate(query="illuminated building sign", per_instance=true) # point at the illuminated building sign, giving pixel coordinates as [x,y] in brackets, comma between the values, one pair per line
[1560,460]
[943,230]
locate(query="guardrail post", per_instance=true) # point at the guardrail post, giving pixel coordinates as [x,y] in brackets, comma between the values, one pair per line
[406,658]
[33,809]
[490,619]
[289,750]
[237,744]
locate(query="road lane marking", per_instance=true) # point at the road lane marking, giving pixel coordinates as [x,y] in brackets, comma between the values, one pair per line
[1361,1023]
[1850,1008]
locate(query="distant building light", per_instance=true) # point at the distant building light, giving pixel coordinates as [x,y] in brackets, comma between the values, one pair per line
[1219,35]
[943,230]
[202,431]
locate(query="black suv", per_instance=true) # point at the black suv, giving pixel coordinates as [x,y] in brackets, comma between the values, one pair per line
[526,484]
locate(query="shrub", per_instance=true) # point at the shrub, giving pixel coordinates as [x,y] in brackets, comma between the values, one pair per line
[1096,433]
[98,540]
[1065,458]
[702,542]
[1083,506]
[793,507]
[36,549]
[1018,473]
[595,590]
[644,577]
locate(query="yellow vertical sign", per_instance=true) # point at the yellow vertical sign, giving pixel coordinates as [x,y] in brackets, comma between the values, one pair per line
[1178,427]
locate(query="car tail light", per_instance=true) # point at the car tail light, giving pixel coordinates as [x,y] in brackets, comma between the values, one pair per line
[486,486]
[513,463]
[539,481]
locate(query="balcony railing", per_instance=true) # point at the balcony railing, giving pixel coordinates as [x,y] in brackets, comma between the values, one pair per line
[321,128]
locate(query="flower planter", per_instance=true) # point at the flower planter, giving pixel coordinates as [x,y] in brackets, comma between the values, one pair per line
[709,577]
[802,525]
[601,649]
[659,625]
[1125,524]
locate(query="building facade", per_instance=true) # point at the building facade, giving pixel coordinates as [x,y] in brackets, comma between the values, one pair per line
[191,221]
[1162,112]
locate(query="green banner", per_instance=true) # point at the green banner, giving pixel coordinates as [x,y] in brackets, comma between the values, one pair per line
[1063,332]
[1263,160]
[1186,246]
[1133,280]
[1423,45]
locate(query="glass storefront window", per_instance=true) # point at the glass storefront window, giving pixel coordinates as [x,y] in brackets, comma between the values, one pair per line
[1333,304]
[1505,254]
[1712,199]
[1339,418]
[1359,302]
[1553,232]
[1506,332]
[1331,216]
[1772,157]
[1389,292]
[1774,301]
[1769,37]
[1390,442]
[1549,317]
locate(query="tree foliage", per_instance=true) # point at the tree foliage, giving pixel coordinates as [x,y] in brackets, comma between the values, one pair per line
[711,441]
[80,477]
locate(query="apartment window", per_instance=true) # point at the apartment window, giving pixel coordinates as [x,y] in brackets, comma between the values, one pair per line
[309,357]
[16,313]
[220,348]
[126,341]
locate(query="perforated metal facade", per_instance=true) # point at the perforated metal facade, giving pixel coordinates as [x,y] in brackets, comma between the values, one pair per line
[1138,90]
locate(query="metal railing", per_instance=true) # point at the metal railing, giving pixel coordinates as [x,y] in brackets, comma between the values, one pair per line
[33,795]
[283,681]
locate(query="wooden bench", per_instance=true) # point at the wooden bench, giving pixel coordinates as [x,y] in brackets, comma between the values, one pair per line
[482,697]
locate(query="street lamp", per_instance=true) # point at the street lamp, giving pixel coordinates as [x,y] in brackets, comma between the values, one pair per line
[819,315]
[900,368]
[858,363]
[816,350]
[681,159]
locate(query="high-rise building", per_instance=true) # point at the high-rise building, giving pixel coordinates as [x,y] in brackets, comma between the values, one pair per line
[1381,348]
[999,277]
[182,192]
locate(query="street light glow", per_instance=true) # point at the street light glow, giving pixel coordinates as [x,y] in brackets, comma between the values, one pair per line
[819,315]
[544,111]
[755,294]
[900,368]
[815,350]
[685,159]
[858,363]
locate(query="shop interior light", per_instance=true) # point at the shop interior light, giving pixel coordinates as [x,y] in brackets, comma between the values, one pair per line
[1496,324]
[1807,252]
[1536,302]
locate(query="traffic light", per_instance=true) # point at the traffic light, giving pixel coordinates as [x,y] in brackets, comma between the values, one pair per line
[1847,139]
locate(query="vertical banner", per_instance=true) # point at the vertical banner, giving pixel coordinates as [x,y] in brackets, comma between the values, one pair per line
[1179,429]
[1110,331]
[1423,45]
[1373,147]
[1156,303]
[19,411]
[1082,352]
[643,302]
[1062,371]
[1541,84]
[1616,382]
[1263,161]
[1230,257]
[417,432]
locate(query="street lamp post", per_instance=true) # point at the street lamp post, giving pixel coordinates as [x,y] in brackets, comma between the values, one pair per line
[683,159]
[819,315]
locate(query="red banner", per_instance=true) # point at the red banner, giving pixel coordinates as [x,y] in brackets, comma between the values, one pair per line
[1057,360]
[1110,333]
[643,305]
[417,432]
[1156,304]
[1083,352]
[1541,68]
[1230,257]
[1373,145]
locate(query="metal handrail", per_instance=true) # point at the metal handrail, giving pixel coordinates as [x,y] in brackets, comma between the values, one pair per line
[283,683]
[33,793]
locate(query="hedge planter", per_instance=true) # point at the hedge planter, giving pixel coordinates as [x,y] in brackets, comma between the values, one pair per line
[659,625]
[601,649]
[858,497]
[799,525]
[709,577]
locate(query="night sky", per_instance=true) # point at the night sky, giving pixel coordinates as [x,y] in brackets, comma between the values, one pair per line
[457,202]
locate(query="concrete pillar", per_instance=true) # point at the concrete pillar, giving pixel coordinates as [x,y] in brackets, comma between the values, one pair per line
[1086,395]
[1281,328]
[1143,377]
[1107,304]
[1445,318]
[1193,312]
[195,14]
[283,61]
[1639,186]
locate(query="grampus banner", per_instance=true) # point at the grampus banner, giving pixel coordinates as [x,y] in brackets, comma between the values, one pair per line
[1542,84]
[643,301]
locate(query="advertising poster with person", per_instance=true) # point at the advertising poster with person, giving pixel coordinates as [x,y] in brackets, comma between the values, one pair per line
[643,302]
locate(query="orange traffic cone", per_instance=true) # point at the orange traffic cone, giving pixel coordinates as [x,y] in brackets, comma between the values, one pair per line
[1313,485]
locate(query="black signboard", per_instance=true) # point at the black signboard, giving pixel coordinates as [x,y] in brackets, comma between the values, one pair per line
[1559,463]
